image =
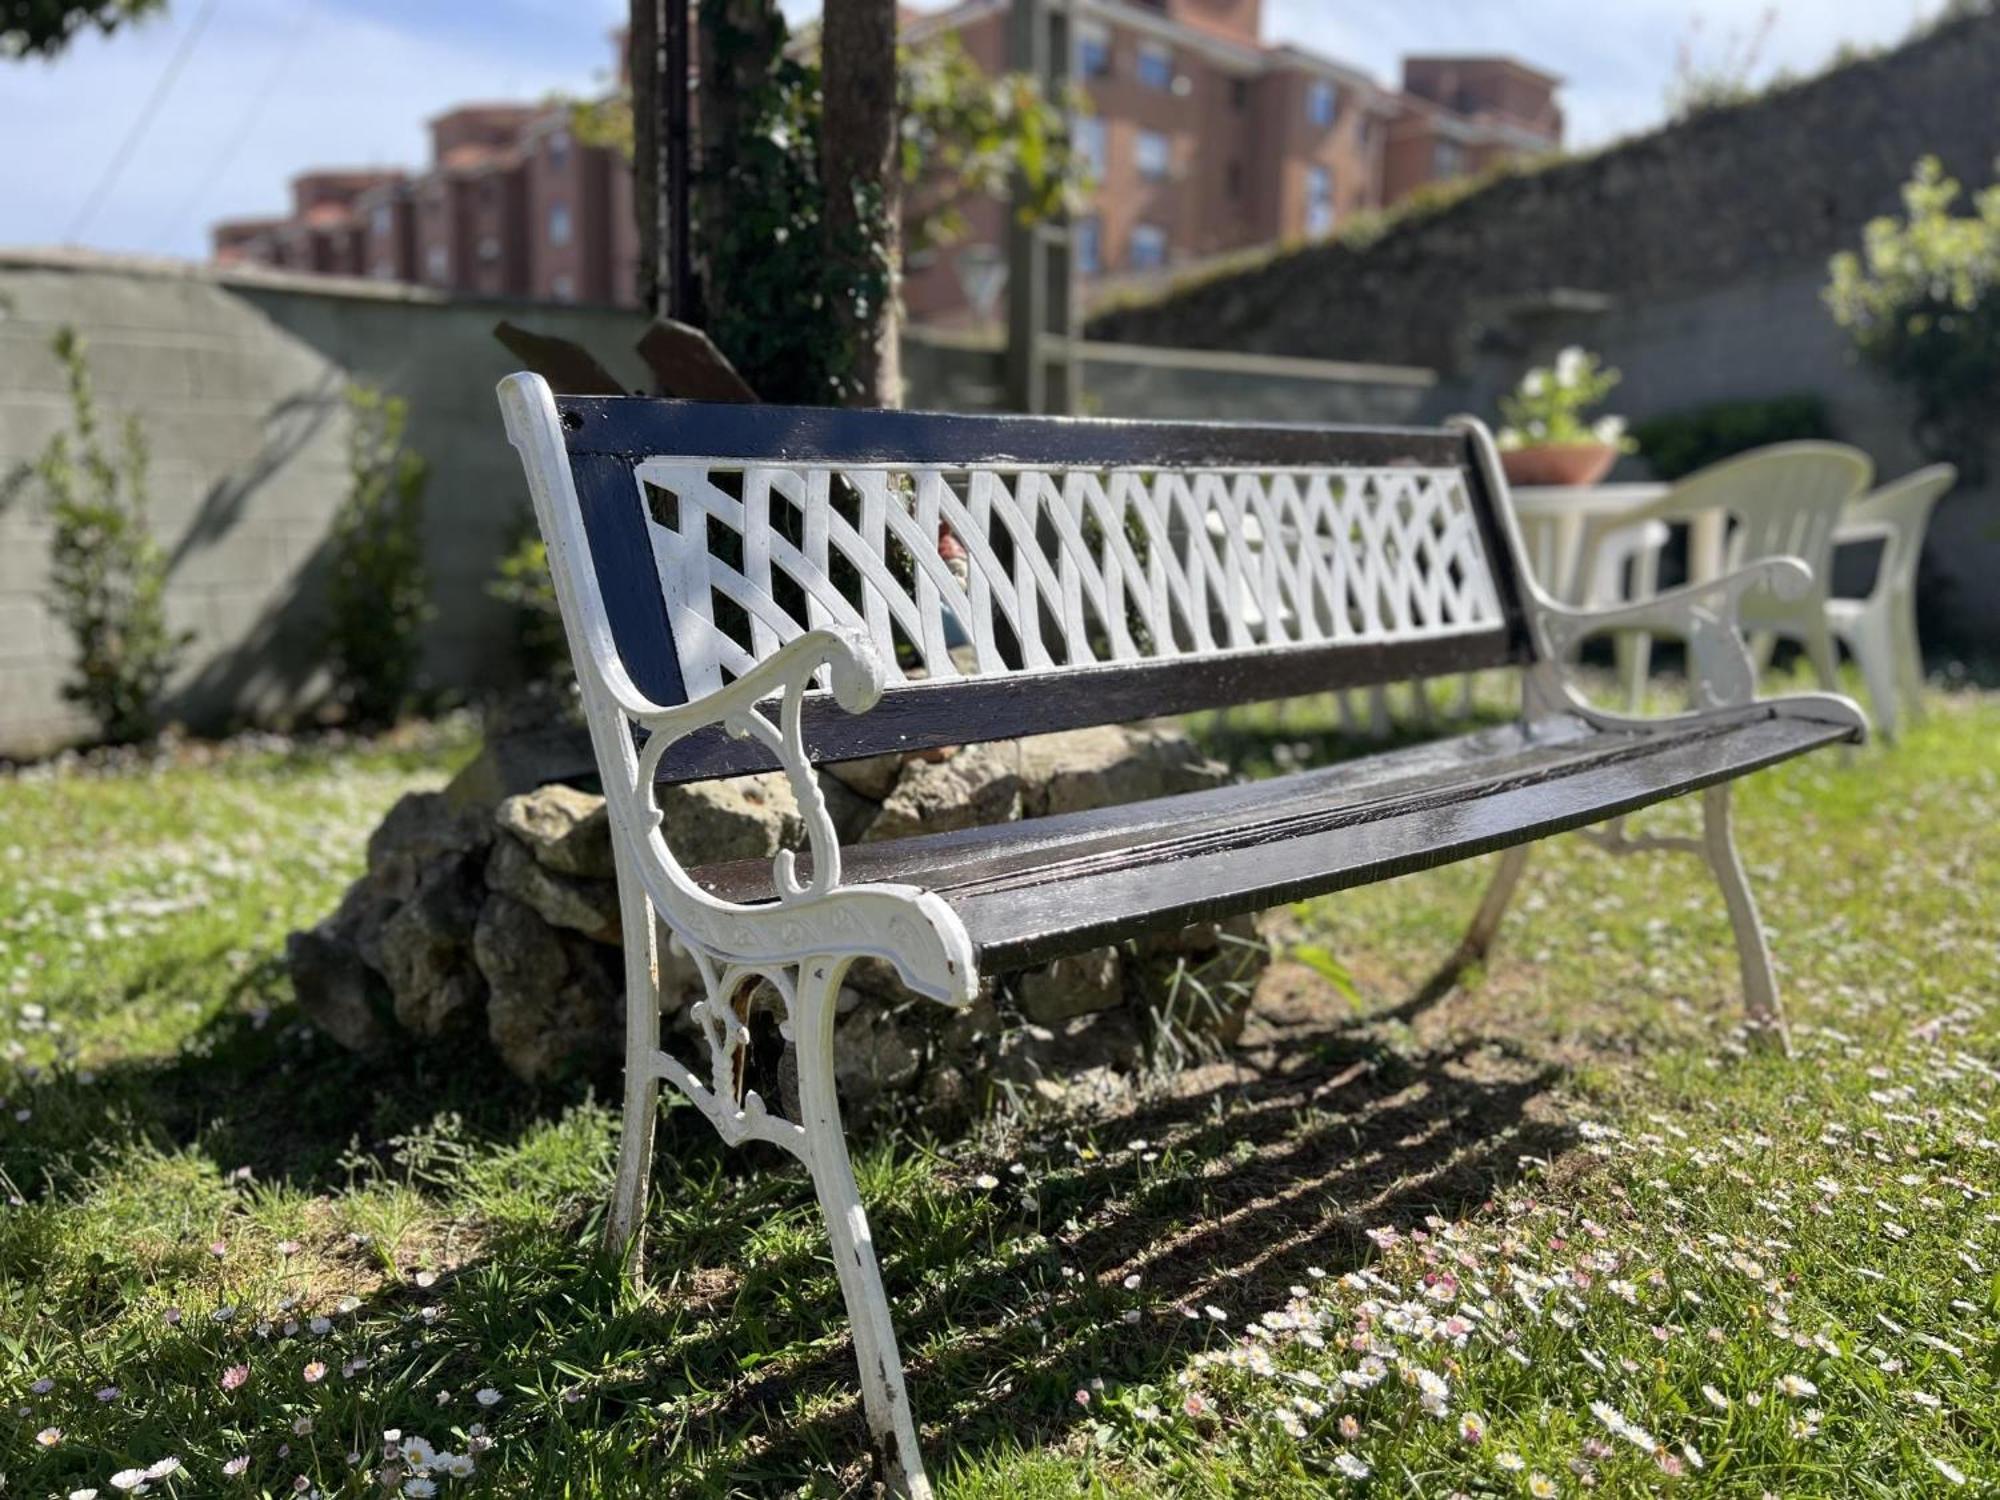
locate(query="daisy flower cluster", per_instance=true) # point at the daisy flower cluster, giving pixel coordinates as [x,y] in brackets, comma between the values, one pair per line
[1557,1342]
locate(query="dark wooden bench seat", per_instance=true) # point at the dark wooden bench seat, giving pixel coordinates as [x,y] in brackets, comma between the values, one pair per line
[1036,890]
[762,588]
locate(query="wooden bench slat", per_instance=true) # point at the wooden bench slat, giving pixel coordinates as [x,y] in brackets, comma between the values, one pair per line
[924,715]
[1036,889]
[1018,927]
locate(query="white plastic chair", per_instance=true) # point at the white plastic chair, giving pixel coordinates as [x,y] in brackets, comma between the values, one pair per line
[1880,630]
[1596,577]
[1784,501]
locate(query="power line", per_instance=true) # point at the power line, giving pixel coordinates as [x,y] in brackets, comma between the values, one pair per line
[126,147]
[287,49]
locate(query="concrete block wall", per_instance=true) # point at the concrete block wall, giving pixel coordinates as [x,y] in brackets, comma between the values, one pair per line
[238,380]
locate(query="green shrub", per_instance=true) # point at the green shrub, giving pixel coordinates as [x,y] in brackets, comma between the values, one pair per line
[107,575]
[378,598]
[1683,441]
[1921,303]
[522,582]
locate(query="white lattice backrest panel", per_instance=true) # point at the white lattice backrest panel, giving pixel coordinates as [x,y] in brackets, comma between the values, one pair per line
[998,569]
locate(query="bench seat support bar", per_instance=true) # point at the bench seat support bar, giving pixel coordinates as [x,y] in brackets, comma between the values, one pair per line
[1717,845]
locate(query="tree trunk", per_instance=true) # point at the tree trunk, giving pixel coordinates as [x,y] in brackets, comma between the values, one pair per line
[642,64]
[863,182]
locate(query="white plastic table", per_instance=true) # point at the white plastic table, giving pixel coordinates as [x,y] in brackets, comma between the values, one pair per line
[1557,520]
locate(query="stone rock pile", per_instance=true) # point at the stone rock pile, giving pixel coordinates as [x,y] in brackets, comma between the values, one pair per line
[498,919]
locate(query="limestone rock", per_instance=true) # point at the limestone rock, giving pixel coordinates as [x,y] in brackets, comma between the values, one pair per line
[339,993]
[878,977]
[426,950]
[554,1003]
[520,760]
[419,830]
[981,784]
[1108,1039]
[1075,986]
[851,812]
[970,1029]
[873,777]
[586,906]
[359,920]
[745,817]
[1085,768]
[567,831]
[872,1054]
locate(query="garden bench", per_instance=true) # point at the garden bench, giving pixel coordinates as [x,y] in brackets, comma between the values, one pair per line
[749,588]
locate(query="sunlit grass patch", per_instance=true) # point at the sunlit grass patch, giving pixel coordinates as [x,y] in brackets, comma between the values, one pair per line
[1561,1227]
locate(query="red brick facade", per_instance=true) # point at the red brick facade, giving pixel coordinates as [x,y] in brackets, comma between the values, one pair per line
[512,205]
[1205,141]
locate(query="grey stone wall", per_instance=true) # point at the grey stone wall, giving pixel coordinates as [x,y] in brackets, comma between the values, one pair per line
[1754,190]
[238,379]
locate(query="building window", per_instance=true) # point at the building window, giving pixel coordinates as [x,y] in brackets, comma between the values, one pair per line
[380,218]
[1156,66]
[437,263]
[1322,100]
[383,271]
[1091,145]
[1093,52]
[564,288]
[1319,201]
[1154,155]
[559,149]
[1149,247]
[558,224]
[489,247]
[1447,159]
[1239,93]
[1084,243]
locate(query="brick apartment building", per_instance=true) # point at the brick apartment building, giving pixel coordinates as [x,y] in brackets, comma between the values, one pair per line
[1202,140]
[512,205]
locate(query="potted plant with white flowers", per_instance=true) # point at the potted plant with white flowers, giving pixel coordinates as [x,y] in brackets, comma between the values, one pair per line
[1549,437]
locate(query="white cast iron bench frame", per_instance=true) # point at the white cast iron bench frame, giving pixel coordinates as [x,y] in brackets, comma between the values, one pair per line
[750,588]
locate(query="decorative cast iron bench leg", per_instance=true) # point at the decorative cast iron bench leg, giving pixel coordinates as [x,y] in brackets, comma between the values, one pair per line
[1718,846]
[1760,991]
[821,1145]
[1478,939]
[886,1403]
[626,1227]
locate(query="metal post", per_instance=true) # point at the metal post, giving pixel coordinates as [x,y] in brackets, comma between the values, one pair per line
[1042,303]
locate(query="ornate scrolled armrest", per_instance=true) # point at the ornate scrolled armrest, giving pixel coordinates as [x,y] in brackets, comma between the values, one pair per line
[854,676]
[1704,615]
[904,925]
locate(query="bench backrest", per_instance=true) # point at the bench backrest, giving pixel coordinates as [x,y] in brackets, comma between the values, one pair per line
[1020,575]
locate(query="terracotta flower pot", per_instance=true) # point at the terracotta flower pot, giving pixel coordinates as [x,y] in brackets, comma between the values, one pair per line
[1558,463]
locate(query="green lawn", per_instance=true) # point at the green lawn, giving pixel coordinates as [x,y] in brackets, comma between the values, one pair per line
[1557,1228]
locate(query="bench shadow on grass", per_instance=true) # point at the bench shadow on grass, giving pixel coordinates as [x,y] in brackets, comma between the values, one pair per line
[1314,1134]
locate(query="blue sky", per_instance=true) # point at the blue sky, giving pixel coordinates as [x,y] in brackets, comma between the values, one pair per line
[270,87]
